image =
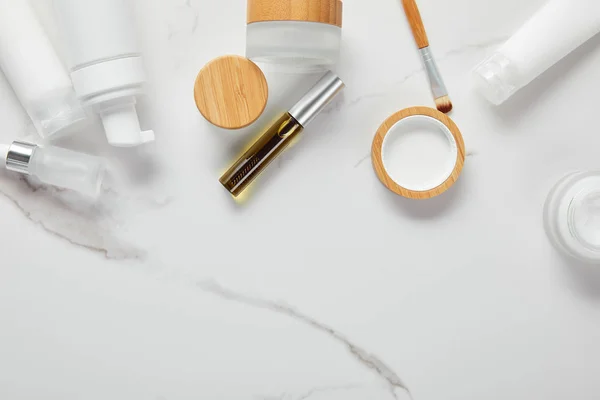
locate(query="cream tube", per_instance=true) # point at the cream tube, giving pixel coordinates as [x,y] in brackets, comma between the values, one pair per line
[34,70]
[557,29]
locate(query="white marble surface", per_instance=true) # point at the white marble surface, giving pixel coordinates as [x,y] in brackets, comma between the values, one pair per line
[323,286]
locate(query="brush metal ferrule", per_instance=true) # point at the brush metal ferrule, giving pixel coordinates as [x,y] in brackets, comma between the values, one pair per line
[435,78]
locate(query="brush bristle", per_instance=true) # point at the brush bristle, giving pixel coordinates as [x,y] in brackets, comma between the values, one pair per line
[443,104]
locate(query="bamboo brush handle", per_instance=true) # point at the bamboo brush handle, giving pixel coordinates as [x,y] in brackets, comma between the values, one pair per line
[416,23]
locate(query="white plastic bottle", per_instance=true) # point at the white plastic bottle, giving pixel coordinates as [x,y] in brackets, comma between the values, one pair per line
[55,166]
[557,29]
[34,70]
[106,64]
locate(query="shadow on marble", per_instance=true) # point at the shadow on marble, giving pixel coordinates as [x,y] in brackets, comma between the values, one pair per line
[518,107]
[431,208]
[584,278]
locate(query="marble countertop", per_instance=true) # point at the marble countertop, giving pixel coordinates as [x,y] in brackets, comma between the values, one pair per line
[324,286]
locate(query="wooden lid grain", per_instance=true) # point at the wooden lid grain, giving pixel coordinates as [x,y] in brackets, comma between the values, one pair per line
[323,11]
[231,92]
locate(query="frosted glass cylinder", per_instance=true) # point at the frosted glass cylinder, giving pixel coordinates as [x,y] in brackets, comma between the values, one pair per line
[298,43]
[68,169]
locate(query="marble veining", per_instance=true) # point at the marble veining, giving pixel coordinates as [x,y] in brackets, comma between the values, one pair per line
[166,289]
[368,360]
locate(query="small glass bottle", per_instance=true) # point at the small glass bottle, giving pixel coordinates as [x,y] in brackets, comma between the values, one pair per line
[281,134]
[56,166]
[572,216]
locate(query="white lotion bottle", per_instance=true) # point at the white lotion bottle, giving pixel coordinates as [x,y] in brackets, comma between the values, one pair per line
[106,64]
[35,71]
[557,29]
[55,166]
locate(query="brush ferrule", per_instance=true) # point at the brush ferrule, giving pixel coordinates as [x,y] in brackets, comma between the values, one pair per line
[435,79]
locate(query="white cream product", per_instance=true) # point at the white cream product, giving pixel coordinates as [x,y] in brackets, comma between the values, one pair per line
[35,71]
[557,29]
[55,166]
[106,64]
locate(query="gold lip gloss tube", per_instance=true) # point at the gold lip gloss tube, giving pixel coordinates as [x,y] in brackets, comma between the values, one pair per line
[281,134]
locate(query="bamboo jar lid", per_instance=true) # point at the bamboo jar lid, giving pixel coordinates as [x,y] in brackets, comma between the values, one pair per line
[231,92]
[324,11]
[415,123]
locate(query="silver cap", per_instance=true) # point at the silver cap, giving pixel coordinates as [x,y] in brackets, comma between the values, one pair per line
[317,98]
[19,157]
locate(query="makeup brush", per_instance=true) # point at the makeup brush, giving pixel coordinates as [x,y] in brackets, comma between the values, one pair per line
[440,93]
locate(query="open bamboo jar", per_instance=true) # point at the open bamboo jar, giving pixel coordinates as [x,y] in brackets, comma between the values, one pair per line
[302,33]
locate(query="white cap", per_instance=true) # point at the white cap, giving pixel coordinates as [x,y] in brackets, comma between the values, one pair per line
[495,78]
[122,126]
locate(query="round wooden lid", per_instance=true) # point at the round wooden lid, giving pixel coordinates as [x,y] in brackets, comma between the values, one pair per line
[231,92]
[323,11]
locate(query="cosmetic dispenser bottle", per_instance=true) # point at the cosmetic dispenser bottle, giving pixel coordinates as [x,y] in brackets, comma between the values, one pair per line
[572,216]
[106,65]
[34,70]
[305,34]
[557,29]
[281,134]
[55,166]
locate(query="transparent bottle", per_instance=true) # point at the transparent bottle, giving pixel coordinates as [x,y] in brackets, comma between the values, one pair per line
[572,216]
[56,166]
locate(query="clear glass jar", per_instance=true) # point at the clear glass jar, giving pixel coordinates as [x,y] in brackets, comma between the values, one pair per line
[572,216]
[311,45]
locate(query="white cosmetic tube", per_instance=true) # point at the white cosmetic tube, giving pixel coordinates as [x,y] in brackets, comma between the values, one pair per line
[106,64]
[34,70]
[557,29]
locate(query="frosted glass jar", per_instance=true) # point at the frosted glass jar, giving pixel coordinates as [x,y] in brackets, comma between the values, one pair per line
[299,33]
[572,216]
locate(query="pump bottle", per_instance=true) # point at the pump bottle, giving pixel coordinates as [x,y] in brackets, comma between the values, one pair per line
[106,64]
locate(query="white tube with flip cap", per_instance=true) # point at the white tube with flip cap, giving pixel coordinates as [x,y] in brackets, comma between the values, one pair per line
[557,29]
[106,64]
[35,71]
[56,166]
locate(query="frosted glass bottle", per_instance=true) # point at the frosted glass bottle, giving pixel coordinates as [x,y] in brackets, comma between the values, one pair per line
[35,71]
[56,166]
[106,65]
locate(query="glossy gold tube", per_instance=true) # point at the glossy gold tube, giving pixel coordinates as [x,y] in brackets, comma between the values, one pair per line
[267,148]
